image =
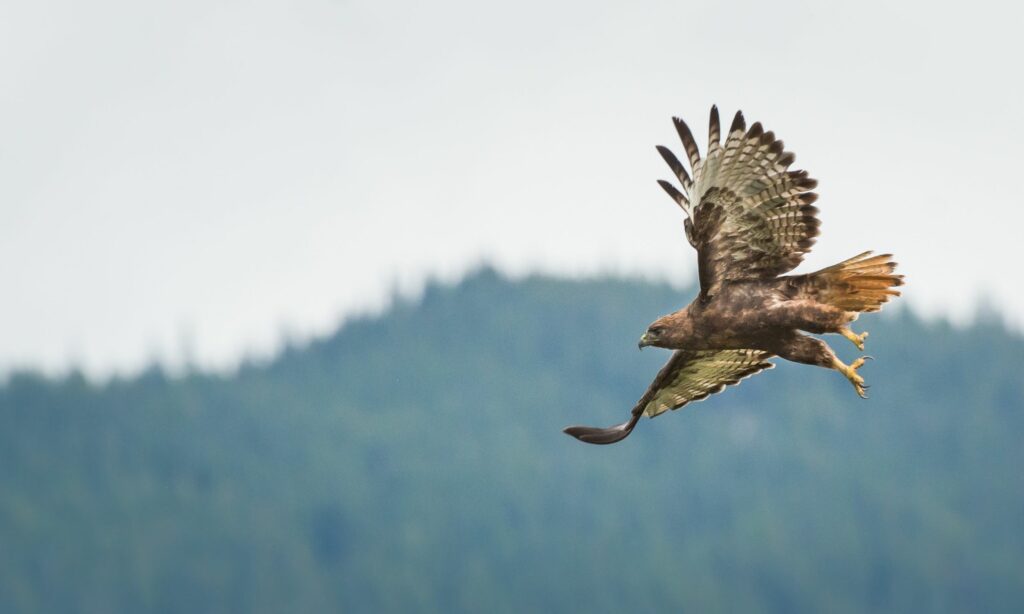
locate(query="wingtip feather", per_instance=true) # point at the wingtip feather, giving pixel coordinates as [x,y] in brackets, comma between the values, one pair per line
[599,436]
[738,123]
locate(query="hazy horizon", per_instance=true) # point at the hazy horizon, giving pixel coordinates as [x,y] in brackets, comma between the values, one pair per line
[180,360]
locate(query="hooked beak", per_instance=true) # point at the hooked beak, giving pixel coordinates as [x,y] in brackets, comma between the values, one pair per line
[645,341]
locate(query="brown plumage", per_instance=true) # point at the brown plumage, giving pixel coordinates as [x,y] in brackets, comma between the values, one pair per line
[751,220]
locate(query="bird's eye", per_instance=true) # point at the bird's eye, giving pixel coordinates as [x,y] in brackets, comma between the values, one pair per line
[656,330]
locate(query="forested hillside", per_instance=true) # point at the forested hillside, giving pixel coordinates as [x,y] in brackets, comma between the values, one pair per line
[414,461]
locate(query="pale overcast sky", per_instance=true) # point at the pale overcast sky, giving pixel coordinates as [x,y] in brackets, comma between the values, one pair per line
[221,172]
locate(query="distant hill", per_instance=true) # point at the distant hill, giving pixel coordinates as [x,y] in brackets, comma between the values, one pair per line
[413,461]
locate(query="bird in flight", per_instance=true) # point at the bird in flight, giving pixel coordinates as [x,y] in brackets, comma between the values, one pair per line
[751,220]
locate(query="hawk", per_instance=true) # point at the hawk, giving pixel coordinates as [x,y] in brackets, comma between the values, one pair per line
[751,220]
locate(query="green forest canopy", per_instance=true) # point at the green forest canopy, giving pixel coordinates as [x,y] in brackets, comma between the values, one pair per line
[413,461]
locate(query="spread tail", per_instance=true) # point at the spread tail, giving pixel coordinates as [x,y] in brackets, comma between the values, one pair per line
[859,284]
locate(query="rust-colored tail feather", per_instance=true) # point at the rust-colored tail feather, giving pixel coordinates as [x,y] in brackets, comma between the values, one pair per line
[859,284]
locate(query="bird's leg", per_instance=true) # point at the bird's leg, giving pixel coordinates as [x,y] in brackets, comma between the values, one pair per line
[811,351]
[850,371]
[857,340]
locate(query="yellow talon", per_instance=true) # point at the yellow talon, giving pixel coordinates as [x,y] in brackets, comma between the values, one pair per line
[850,371]
[857,340]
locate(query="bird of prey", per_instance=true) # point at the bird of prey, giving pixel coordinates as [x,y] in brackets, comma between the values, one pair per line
[751,220]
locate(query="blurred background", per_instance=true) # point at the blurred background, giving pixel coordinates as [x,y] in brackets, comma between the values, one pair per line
[298,296]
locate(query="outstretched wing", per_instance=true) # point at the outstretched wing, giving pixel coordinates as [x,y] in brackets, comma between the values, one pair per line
[694,375]
[753,218]
[688,376]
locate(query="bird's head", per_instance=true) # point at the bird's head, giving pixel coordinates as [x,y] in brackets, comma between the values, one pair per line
[655,334]
[672,332]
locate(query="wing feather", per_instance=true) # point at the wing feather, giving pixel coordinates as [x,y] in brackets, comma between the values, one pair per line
[714,133]
[675,194]
[689,144]
[677,167]
[694,375]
